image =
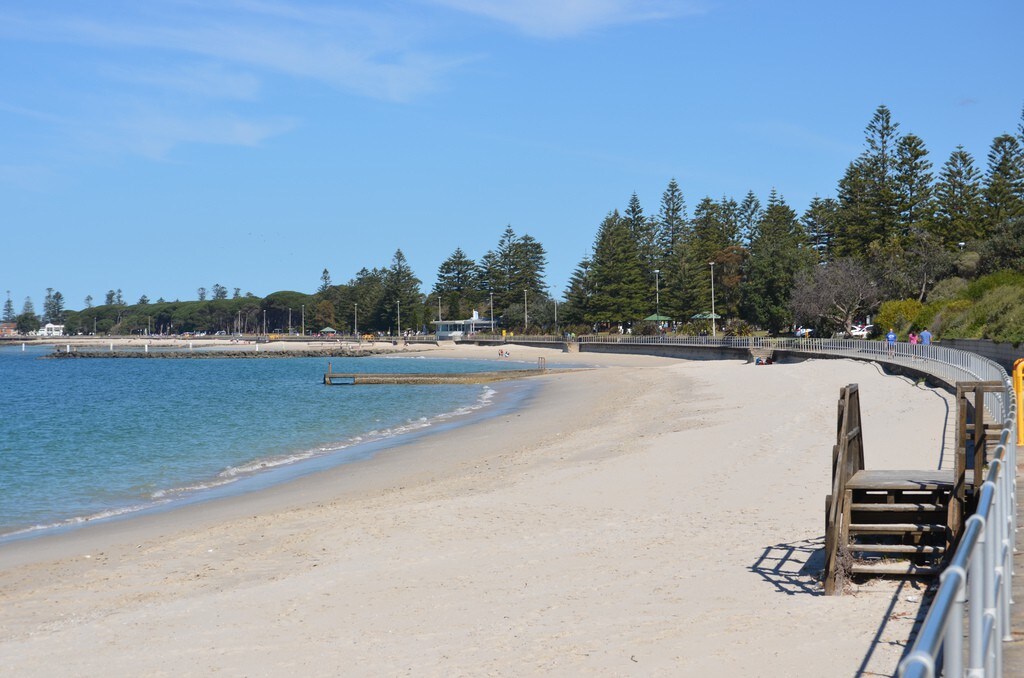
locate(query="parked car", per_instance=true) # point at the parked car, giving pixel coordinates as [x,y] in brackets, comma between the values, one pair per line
[862,331]
[804,331]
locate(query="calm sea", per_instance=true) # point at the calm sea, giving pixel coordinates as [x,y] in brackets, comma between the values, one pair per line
[93,438]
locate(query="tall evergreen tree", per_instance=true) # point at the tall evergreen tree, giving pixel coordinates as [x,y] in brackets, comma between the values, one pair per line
[748,215]
[1004,181]
[868,194]
[48,306]
[401,294]
[8,316]
[88,301]
[110,298]
[515,267]
[28,308]
[577,309]
[57,308]
[617,275]
[671,222]
[819,222]
[458,283]
[778,254]
[959,206]
[644,232]
[219,292]
[325,283]
[913,183]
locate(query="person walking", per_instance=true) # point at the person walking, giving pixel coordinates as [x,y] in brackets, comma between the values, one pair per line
[890,339]
[925,337]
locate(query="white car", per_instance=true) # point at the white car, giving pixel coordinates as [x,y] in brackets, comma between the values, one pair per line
[804,331]
[862,331]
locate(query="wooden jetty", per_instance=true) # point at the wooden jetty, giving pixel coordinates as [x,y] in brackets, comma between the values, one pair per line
[901,522]
[332,378]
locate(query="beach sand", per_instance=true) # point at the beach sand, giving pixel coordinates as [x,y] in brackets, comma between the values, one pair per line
[655,517]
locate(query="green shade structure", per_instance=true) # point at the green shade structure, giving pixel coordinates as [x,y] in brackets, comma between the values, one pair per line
[328,330]
[705,316]
[657,318]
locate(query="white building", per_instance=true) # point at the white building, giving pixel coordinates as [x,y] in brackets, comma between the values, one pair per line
[51,330]
[457,329]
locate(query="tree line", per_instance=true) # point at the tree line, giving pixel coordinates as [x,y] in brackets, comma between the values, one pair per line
[894,230]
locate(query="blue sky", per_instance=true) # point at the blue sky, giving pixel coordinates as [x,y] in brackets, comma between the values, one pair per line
[165,145]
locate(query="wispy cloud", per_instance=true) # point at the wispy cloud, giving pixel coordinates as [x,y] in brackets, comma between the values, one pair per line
[551,19]
[187,64]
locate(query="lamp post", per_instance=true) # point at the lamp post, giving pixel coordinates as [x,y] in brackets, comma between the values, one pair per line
[657,293]
[264,322]
[399,317]
[492,312]
[355,320]
[526,315]
[555,299]
[303,320]
[289,320]
[713,331]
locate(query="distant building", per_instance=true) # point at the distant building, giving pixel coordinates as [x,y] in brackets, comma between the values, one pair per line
[457,329]
[8,329]
[51,330]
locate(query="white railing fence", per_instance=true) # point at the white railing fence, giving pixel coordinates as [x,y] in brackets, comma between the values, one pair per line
[974,594]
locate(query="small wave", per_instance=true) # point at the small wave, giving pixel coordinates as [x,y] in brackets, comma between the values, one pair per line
[81,520]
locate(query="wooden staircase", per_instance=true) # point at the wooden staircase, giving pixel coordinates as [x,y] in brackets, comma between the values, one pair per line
[900,522]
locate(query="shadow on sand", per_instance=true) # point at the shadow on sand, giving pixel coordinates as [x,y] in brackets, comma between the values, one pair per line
[796,569]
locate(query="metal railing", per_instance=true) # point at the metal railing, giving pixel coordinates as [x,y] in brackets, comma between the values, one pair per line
[974,595]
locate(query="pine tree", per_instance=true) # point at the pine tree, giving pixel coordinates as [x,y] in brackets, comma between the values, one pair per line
[868,194]
[219,292]
[819,222]
[671,222]
[28,308]
[8,316]
[401,295]
[517,264]
[201,293]
[644,232]
[1004,182]
[325,283]
[778,254]
[913,181]
[57,308]
[958,200]
[458,283]
[748,215]
[48,306]
[617,274]
[88,301]
[111,296]
[577,308]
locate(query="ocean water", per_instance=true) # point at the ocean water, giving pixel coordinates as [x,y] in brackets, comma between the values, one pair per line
[94,438]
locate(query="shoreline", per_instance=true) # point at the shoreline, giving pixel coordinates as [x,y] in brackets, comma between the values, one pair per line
[502,392]
[657,517]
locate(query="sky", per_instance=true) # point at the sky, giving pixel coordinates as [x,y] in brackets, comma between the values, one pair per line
[160,146]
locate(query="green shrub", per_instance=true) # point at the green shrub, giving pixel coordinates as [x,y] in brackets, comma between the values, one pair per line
[899,315]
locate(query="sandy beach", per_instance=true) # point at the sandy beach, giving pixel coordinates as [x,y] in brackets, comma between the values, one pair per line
[653,517]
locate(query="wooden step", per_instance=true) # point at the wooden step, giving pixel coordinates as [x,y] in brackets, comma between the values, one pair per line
[894,527]
[896,548]
[900,480]
[894,567]
[896,507]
